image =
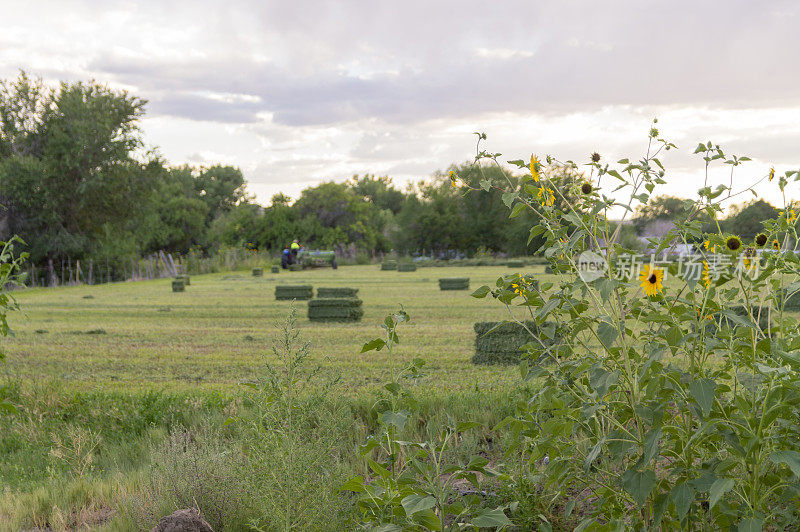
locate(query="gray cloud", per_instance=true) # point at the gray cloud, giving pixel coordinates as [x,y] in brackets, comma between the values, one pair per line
[301,92]
[361,61]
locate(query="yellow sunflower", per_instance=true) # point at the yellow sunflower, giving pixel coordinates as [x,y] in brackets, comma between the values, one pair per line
[771,173]
[546,197]
[708,246]
[535,167]
[706,276]
[750,259]
[651,280]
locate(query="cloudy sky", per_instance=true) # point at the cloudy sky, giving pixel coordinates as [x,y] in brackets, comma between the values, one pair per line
[296,93]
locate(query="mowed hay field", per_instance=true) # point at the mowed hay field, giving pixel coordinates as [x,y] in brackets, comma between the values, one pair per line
[141,335]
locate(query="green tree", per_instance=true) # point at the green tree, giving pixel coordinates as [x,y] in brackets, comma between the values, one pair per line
[10,274]
[662,208]
[220,188]
[67,173]
[746,220]
[332,213]
[238,227]
[277,226]
[379,191]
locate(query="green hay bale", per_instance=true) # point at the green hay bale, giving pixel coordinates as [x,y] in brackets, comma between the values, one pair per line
[298,291]
[335,309]
[185,278]
[177,285]
[502,345]
[792,303]
[258,272]
[338,302]
[454,283]
[515,264]
[406,267]
[759,313]
[276,269]
[339,314]
[389,265]
[337,292]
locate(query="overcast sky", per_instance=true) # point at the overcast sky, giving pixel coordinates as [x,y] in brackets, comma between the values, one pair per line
[295,93]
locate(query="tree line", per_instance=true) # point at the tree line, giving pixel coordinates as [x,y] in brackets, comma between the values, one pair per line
[77,183]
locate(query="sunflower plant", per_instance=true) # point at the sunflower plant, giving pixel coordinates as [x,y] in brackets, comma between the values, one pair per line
[10,275]
[670,399]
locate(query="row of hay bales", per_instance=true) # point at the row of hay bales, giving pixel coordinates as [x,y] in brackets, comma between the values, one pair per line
[259,272]
[331,304]
[392,265]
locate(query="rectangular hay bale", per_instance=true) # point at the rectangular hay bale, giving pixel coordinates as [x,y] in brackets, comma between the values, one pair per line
[790,303]
[502,345]
[761,314]
[454,283]
[276,269]
[338,302]
[299,292]
[336,292]
[258,272]
[389,265]
[177,285]
[335,313]
[406,267]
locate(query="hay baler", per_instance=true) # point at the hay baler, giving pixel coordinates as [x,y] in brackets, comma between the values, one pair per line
[316,259]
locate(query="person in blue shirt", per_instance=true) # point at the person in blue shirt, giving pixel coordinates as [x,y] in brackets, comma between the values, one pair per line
[286,258]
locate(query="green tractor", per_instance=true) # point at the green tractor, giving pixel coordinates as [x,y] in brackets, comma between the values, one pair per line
[316,259]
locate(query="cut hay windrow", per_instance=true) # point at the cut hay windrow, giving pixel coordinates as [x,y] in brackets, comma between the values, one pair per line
[258,272]
[337,292]
[335,309]
[389,264]
[454,283]
[515,264]
[300,292]
[295,267]
[501,344]
[177,285]
[406,267]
